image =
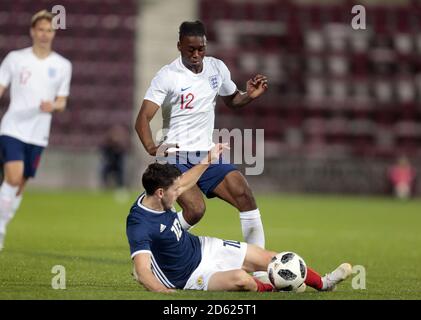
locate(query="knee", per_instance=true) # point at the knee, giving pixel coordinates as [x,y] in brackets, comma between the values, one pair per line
[243,281]
[14,180]
[267,257]
[245,198]
[193,213]
[246,193]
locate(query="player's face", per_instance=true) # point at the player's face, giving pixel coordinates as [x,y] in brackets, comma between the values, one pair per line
[171,195]
[193,50]
[43,34]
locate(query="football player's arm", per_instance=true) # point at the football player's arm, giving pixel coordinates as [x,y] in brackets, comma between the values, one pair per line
[255,88]
[191,176]
[60,102]
[142,263]
[143,128]
[6,72]
[2,90]
[58,105]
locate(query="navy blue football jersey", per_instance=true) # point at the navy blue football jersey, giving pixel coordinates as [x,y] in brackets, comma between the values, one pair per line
[175,253]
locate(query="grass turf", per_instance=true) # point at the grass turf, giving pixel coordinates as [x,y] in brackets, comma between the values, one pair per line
[85,232]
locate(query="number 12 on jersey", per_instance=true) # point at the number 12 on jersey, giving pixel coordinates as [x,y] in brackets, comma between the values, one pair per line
[186,101]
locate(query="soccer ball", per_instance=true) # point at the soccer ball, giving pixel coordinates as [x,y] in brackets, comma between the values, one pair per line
[287,271]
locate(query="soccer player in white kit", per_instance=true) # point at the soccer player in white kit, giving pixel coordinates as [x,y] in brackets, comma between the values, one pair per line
[39,81]
[186,91]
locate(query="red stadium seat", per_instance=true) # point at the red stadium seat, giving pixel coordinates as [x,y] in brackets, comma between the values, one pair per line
[102,84]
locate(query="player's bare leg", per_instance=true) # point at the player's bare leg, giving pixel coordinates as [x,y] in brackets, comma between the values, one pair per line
[193,207]
[235,190]
[233,280]
[257,259]
[9,199]
[13,172]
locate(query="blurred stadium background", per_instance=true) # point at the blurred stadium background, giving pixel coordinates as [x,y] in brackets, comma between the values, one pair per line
[343,104]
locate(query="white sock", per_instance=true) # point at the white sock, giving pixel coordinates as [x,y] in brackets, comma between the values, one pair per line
[252,227]
[183,221]
[7,196]
[15,205]
[3,225]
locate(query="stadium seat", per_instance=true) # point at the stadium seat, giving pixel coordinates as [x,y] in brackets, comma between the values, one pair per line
[102,79]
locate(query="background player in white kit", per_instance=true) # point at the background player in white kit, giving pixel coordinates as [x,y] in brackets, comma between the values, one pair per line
[39,85]
[186,91]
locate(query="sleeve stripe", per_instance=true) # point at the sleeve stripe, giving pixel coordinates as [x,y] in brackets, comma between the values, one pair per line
[147,97]
[160,275]
[140,251]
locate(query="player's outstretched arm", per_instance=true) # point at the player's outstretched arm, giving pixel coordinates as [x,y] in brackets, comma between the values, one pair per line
[58,105]
[191,176]
[255,88]
[143,128]
[2,90]
[142,263]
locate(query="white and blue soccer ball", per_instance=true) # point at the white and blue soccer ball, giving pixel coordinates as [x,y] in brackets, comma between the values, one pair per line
[287,271]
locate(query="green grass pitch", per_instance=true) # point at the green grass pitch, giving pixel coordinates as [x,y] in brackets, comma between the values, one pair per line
[85,233]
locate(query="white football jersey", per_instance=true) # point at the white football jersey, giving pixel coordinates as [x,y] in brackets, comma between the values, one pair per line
[188,101]
[32,80]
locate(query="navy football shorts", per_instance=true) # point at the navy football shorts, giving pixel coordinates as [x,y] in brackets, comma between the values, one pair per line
[213,175]
[13,149]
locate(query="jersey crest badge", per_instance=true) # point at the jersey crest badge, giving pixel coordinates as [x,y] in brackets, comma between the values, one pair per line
[162,228]
[51,72]
[213,81]
[200,281]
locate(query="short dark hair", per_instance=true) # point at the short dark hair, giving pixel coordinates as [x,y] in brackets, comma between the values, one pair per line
[159,175]
[192,28]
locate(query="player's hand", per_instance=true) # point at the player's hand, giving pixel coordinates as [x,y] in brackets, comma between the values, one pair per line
[170,291]
[166,290]
[257,86]
[166,149]
[47,106]
[215,153]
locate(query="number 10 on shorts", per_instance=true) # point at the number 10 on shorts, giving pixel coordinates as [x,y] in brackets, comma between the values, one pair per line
[231,243]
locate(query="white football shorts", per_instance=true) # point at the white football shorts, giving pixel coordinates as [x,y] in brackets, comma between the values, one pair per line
[217,255]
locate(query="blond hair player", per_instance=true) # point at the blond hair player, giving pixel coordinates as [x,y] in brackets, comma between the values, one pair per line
[39,80]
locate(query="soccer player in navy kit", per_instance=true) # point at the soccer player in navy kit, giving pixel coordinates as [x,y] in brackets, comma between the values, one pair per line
[186,91]
[166,257]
